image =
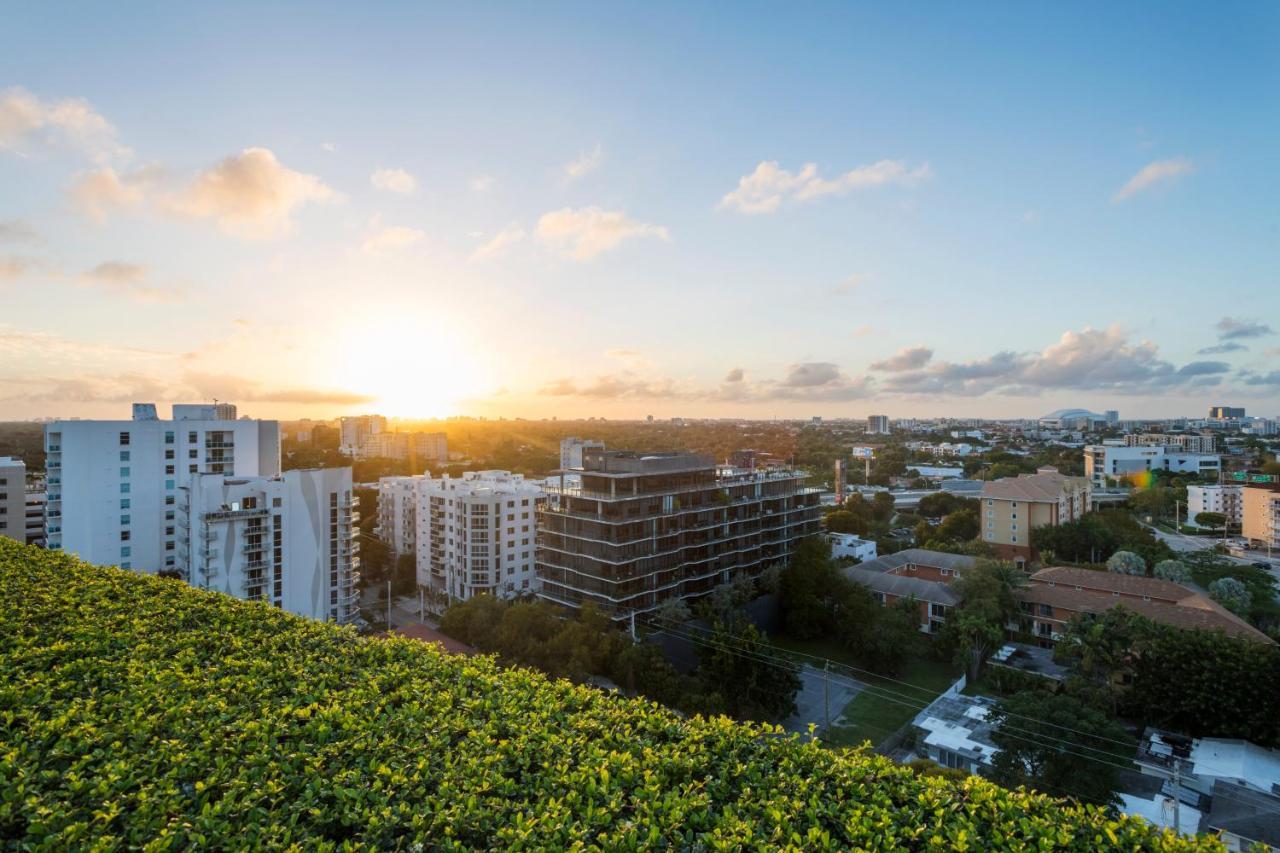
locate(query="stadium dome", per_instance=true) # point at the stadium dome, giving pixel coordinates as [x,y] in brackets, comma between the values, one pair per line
[1068,414]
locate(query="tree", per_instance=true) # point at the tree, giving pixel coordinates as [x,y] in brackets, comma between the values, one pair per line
[743,678]
[1054,742]
[843,521]
[1097,651]
[959,526]
[474,621]
[809,590]
[987,604]
[1172,570]
[890,636]
[882,506]
[1126,563]
[1210,519]
[1231,594]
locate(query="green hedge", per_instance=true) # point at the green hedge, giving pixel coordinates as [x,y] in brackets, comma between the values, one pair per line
[137,711]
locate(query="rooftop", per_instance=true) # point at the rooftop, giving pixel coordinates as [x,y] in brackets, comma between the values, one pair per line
[918,557]
[1244,813]
[958,723]
[1046,486]
[902,586]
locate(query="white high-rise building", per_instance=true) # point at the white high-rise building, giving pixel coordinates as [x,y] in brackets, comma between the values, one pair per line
[477,533]
[397,514]
[878,425]
[113,485]
[13,498]
[287,540]
[356,430]
[571,451]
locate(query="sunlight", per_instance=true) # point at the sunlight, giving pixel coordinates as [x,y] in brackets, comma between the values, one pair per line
[413,369]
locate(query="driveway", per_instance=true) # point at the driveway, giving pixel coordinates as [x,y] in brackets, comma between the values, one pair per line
[812,706]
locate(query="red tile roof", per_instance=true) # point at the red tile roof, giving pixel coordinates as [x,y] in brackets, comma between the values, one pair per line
[430,635]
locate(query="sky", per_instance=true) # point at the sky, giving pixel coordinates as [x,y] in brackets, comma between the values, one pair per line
[702,210]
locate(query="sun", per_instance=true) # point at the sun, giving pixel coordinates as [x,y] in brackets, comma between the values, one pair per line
[410,369]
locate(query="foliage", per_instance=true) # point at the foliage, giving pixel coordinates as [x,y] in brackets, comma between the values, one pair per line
[1095,536]
[740,677]
[1126,563]
[1264,610]
[959,526]
[843,521]
[1231,594]
[139,712]
[1200,683]
[1172,570]
[927,767]
[939,504]
[809,590]
[1210,519]
[1029,729]
[987,604]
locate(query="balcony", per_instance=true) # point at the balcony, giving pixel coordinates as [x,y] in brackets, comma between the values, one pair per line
[350,503]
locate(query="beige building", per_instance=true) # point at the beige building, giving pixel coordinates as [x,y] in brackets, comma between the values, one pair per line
[1260,511]
[1011,508]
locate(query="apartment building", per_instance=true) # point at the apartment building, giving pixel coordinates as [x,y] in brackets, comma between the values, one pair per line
[287,540]
[878,425]
[397,522]
[1225,499]
[1190,443]
[639,529]
[477,533]
[571,450]
[917,574]
[36,501]
[113,485]
[1260,515]
[1054,596]
[1012,507]
[13,498]
[1226,413]
[418,448]
[354,431]
[1118,462]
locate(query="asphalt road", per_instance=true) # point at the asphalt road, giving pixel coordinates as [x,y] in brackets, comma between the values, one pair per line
[811,705]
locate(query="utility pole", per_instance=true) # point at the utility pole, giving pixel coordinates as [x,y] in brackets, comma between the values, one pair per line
[422,613]
[388,607]
[634,638]
[1177,799]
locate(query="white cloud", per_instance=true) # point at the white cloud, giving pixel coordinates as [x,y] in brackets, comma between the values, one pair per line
[583,233]
[394,181]
[1157,172]
[586,162]
[499,244]
[26,120]
[766,188]
[483,183]
[391,238]
[1229,328]
[329,147]
[250,194]
[101,193]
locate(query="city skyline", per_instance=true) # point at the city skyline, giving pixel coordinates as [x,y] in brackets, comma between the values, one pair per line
[995,211]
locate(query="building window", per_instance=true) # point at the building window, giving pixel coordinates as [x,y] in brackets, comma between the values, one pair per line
[168,484]
[124,488]
[124,439]
[193,453]
[124,456]
[168,438]
[124,519]
[126,551]
[124,503]
[124,472]
[191,438]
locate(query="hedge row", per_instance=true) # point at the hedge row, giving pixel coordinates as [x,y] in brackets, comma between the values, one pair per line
[136,711]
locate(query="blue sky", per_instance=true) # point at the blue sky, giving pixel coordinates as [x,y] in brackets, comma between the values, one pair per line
[540,209]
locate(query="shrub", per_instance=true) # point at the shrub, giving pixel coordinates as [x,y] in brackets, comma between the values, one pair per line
[1126,563]
[1172,570]
[136,711]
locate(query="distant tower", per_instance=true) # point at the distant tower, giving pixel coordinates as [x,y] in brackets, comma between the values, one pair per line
[839,482]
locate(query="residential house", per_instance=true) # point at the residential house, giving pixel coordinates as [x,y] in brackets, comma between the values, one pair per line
[1013,506]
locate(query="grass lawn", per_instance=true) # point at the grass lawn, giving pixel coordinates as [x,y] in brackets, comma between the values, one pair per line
[875,717]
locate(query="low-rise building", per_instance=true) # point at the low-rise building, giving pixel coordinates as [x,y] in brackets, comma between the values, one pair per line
[916,573]
[1224,499]
[1012,507]
[955,731]
[1104,462]
[846,546]
[1059,594]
